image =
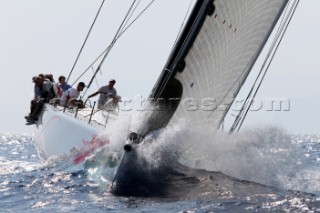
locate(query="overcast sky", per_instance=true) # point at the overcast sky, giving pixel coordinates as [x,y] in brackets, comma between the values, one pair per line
[40,36]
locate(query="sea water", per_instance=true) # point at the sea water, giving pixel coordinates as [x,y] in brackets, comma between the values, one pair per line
[175,170]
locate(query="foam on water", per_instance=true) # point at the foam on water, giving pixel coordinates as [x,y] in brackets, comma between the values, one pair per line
[267,155]
[55,185]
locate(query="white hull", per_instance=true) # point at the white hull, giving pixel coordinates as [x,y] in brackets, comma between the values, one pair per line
[57,132]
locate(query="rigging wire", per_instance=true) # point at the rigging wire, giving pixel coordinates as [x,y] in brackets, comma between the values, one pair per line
[269,64]
[281,31]
[97,83]
[247,67]
[109,49]
[257,78]
[111,45]
[129,17]
[138,16]
[265,67]
[85,41]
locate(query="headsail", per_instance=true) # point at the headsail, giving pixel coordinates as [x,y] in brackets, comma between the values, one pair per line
[215,54]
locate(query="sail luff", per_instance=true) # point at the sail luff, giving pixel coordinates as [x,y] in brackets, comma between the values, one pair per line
[180,48]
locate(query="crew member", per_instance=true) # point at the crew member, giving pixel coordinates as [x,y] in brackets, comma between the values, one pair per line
[106,93]
[62,83]
[43,94]
[70,97]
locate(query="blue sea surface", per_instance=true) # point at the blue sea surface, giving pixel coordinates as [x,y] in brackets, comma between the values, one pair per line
[255,174]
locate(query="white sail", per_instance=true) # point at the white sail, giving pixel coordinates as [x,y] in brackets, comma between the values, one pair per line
[218,60]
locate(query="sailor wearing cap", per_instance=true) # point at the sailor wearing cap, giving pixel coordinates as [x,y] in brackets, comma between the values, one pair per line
[106,93]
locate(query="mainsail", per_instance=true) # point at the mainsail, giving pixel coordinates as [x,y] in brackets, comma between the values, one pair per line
[211,61]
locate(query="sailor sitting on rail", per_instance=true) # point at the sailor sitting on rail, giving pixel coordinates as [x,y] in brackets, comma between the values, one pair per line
[70,97]
[43,94]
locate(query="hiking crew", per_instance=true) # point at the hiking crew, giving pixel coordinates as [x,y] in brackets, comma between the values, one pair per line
[43,94]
